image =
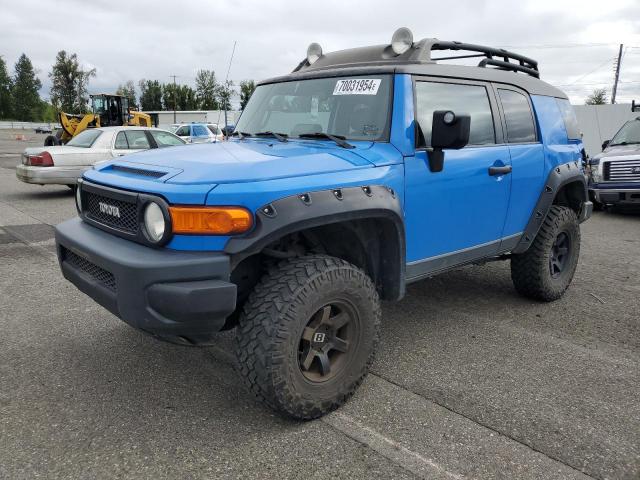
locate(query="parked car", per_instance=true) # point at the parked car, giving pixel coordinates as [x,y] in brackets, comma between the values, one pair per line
[228,130]
[216,130]
[43,129]
[358,173]
[64,164]
[197,133]
[615,173]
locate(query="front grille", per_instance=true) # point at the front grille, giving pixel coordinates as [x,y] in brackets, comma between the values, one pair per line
[113,213]
[99,274]
[139,171]
[622,170]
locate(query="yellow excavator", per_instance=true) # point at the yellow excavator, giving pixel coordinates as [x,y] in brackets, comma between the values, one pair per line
[107,110]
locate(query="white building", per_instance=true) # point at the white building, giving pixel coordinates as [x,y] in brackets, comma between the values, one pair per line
[164,119]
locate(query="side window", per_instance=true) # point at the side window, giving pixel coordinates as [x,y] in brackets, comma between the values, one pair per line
[471,99]
[183,131]
[165,139]
[200,131]
[137,139]
[569,117]
[121,141]
[517,112]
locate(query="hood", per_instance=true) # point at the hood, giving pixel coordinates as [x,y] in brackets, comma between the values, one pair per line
[245,161]
[619,151]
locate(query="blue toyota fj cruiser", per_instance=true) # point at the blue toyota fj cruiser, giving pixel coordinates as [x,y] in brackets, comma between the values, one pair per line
[360,172]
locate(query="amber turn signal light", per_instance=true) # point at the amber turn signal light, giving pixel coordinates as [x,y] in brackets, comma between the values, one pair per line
[210,220]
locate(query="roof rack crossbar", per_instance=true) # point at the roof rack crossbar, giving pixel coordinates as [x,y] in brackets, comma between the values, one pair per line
[477,55]
[520,63]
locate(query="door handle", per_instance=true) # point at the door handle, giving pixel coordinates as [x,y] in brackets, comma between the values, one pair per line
[493,171]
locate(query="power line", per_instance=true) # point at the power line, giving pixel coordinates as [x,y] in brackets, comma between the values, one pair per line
[592,71]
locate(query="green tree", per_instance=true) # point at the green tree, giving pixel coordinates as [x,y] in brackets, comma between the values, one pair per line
[597,97]
[225,94]
[187,98]
[183,95]
[48,112]
[150,95]
[69,83]
[206,88]
[26,100]
[5,91]
[170,96]
[128,90]
[246,90]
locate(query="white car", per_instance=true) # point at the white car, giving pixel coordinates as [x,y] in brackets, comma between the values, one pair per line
[199,132]
[64,164]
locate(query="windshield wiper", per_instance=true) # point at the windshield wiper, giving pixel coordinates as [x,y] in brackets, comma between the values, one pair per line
[625,143]
[339,139]
[240,135]
[281,137]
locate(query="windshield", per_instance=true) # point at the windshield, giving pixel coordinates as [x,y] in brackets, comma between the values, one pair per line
[356,108]
[628,134]
[85,139]
[98,105]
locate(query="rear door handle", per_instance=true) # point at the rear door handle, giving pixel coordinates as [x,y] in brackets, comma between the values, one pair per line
[493,171]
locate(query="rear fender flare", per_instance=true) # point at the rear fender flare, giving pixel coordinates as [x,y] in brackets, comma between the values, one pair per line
[559,177]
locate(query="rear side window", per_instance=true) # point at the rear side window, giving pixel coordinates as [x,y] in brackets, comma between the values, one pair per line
[517,112]
[121,141]
[165,139]
[137,139]
[183,131]
[569,118]
[471,99]
[200,131]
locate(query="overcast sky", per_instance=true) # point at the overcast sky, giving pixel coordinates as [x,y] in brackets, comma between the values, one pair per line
[575,41]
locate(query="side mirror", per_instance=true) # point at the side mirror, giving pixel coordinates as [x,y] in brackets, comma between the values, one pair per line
[449,130]
[605,144]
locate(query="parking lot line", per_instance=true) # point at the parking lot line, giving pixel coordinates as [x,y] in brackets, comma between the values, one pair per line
[411,461]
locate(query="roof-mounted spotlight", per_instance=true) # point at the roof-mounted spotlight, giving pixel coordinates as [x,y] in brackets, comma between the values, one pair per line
[314,52]
[402,40]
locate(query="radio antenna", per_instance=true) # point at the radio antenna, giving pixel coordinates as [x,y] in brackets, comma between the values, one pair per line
[227,95]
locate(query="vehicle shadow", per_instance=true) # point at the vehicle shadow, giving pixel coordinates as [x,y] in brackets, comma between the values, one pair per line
[46,193]
[626,211]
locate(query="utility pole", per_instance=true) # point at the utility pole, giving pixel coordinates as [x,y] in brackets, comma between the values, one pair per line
[174,97]
[615,81]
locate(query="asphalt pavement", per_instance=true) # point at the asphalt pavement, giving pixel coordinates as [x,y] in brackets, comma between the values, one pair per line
[471,380]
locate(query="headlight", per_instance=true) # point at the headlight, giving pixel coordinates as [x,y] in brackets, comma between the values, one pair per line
[154,222]
[79,197]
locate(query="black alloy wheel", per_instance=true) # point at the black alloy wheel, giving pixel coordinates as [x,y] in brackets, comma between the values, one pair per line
[560,252]
[327,340]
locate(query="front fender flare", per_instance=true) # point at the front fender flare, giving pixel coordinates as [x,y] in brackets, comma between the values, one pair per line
[319,208]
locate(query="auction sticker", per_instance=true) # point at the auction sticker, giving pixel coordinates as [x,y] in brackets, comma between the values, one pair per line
[357,86]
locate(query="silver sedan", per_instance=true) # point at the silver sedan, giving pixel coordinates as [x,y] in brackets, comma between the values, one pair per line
[64,164]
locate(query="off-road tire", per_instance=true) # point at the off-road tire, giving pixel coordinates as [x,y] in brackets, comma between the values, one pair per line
[530,271]
[273,319]
[51,141]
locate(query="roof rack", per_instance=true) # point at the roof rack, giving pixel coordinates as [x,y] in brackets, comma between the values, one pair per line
[524,64]
[403,49]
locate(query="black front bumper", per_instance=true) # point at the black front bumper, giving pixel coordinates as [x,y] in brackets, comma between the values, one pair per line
[163,292]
